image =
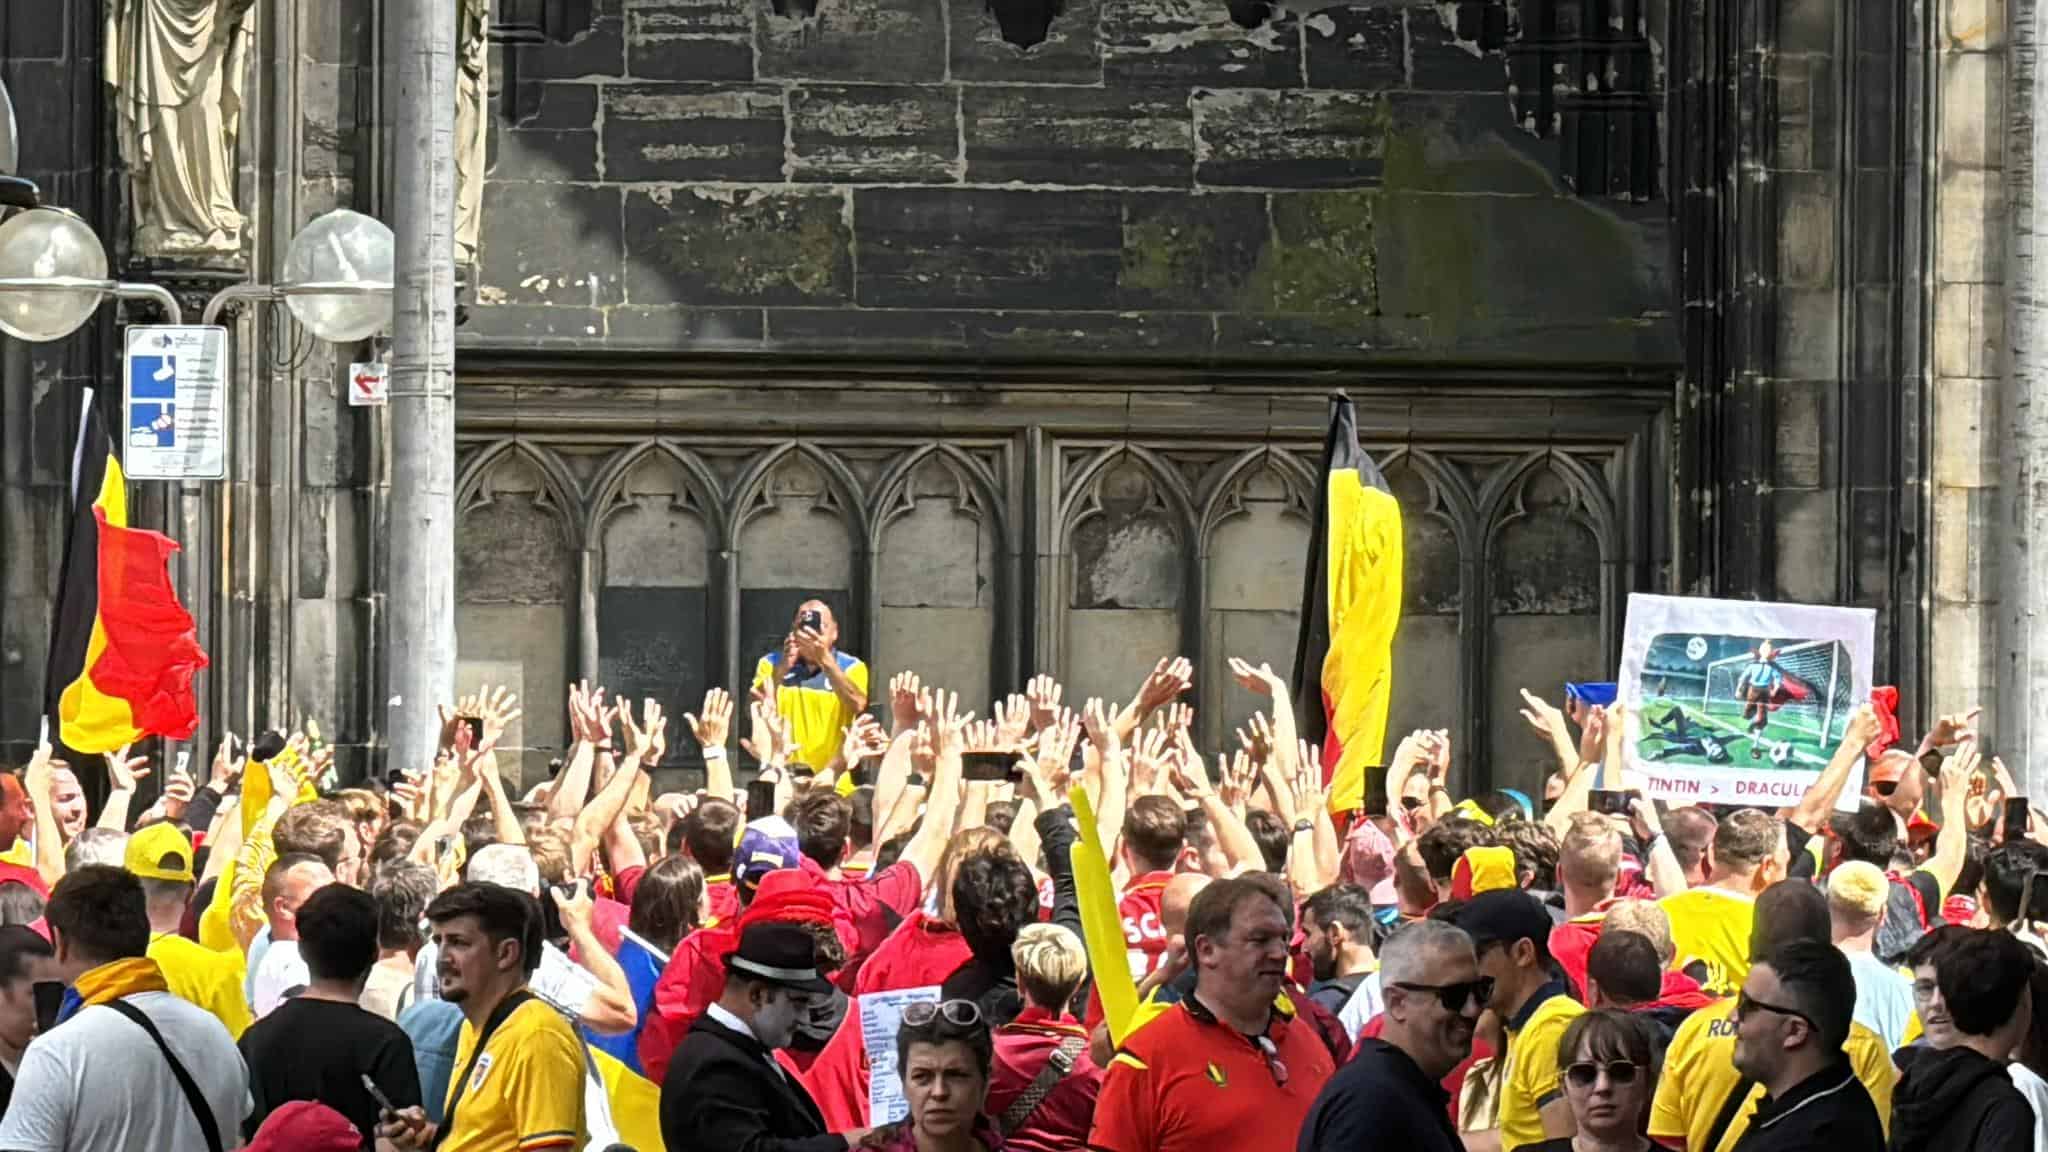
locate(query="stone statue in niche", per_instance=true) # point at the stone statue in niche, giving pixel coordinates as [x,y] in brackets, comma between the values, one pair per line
[472,128]
[176,69]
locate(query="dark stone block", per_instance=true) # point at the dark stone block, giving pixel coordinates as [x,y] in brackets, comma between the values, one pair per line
[1289,139]
[698,246]
[1036,335]
[1323,256]
[869,133]
[1358,47]
[1079,136]
[1456,56]
[1874,233]
[522,324]
[557,142]
[1464,144]
[864,329]
[695,329]
[554,245]
[690,132]
[1876,110]
[1176,43]
[653,643]
[1071,53]
[594,51]
[953,248]
[875,41]
[41,32]
[1190,251]
[690,40]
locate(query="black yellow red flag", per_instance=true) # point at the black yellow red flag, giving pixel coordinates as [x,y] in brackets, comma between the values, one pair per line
[1351,604]
[123,651]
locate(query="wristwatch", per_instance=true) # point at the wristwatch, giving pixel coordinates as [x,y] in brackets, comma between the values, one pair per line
[1304,824]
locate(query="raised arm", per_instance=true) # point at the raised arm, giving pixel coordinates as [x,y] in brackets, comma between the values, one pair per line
[1952,843]
[1820,797]
[591,721]
[123,772]
[609,805]
[929,844]
[1171,677]
[1116,776]
[1191,776]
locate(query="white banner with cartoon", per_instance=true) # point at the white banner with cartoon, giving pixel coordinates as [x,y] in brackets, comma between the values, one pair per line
[1738,701]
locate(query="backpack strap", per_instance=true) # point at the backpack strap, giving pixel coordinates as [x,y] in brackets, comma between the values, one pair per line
[498,1016]
[201,1110]
[1054,1070]
[1737,1096]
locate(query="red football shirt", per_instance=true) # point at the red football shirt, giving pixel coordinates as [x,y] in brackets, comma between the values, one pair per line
[1145,939]
[1188,1083]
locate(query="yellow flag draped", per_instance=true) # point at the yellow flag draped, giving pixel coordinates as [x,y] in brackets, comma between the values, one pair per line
[1103,926]
[1351,606]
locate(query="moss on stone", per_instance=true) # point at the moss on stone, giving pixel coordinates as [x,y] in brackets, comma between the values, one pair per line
[761,245]
[1163,254]
[1322,259]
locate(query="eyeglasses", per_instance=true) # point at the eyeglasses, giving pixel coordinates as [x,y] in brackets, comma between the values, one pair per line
[958,1013]
[1274,1064]
[1585,1073]
[1925,990]
[1454,997]
[1745,1004]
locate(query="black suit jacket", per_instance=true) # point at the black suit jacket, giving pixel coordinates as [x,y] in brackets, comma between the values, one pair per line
[721,1095]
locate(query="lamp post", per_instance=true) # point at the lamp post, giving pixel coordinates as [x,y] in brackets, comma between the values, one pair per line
[53,274]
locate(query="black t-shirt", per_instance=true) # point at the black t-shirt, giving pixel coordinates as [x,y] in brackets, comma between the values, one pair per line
[320,1050]
[1381,1099]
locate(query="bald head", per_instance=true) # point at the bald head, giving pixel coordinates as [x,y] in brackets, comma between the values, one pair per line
[286,886]
[1175,898]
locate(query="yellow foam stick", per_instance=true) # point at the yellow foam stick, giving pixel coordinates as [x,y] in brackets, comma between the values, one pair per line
[1102,924]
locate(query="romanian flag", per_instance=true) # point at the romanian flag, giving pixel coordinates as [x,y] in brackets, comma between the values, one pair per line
[123,650]
[1351,603]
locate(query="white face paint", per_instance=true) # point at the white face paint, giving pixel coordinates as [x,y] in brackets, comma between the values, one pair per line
[775,1020]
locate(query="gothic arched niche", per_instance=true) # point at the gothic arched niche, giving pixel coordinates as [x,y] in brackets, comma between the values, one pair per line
[1127,568]
[797,527]
[1427,650]
[514,582]
[1544,599]
[654,620]
[935,571]
[1253,564]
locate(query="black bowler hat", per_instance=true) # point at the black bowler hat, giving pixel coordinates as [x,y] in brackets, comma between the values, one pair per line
[778,954]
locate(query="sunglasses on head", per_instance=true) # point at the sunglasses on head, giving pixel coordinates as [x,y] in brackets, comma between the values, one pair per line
[958,1013]
[1411,803]
[1586,1072]
[1885,787]
[1454,997]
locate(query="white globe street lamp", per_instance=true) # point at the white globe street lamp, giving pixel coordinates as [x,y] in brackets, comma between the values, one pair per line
[53,272]
[337,276]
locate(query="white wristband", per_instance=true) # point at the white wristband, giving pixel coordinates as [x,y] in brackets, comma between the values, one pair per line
[714,752]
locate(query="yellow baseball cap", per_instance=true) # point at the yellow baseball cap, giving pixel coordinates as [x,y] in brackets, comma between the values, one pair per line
[160,852]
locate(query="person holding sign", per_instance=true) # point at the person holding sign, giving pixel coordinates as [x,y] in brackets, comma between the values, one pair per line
[724,1088]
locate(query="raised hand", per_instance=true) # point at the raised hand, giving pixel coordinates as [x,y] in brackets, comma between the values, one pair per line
[1953,728]
[1154,756]
[124,770]
[1044,694]
[711,726]
[498,707]
[903,695]
[864,740]
[1185,768]
[1053,766]
[1256,737]
[1259,681]
[1012,719]
[1863,727]
[178,793]
[1172,676]
[1544,717]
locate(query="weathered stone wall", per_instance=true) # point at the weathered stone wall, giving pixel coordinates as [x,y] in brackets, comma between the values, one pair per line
[1968,273]
[1370,179]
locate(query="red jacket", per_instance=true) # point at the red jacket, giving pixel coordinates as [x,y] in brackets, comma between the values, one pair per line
[692,981]
[1060,1122]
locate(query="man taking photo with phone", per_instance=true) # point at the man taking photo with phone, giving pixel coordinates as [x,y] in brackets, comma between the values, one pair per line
[818,688]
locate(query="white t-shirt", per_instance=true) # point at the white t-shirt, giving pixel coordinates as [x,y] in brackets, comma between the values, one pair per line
[2036,1092]
[1884,999]
[1365,1003]
[98,1083]
[282,971]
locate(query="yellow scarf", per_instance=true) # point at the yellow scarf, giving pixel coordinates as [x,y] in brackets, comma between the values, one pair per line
[120,978]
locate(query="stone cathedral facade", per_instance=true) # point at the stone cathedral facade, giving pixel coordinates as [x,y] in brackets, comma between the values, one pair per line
[1007,325]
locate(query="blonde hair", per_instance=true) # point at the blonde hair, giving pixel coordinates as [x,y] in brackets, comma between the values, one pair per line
[550,854]
[1645,917]
[1859,888]
[1050,964]
[1591,853]
[364,806]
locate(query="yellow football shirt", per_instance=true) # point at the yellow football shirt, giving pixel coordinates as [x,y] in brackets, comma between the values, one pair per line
[526,1091]
[1699,1073]
[817,716]
[1712,925]
[1530,1079]
[199,975]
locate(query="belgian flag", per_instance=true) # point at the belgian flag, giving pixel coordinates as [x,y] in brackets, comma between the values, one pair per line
[1351,603]
[123,651]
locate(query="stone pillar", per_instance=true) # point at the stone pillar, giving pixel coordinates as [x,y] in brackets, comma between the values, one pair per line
[2021,670]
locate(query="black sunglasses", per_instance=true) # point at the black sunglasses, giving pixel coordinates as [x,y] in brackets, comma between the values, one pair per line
[1274,1064]
[1585,1073]
[1885,787]
[1745,1004]
[1411,803]
[1454,997]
